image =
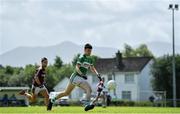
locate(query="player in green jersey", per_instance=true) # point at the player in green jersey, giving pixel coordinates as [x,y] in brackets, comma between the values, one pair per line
[78,77]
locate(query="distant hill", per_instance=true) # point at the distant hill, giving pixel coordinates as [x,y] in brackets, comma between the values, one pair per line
[67,50]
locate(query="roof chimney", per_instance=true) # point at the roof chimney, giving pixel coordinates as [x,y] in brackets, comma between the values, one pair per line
[119,59]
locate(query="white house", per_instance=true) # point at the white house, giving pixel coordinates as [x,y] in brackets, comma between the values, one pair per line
[132,75]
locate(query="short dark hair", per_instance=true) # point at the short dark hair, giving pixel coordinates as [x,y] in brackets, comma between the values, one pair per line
[88,46]
[43,59]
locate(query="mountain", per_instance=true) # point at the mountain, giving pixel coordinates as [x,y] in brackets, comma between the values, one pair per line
[66,50]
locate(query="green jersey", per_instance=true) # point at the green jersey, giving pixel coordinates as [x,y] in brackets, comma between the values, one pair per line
[85,62]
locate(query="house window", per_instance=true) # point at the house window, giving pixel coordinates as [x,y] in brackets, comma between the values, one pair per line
[126,95]
[109,77]
[129,78]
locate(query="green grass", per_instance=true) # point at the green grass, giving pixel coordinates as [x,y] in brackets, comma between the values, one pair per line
[80,110]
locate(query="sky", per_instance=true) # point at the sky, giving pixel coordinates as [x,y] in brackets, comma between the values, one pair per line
[107,23]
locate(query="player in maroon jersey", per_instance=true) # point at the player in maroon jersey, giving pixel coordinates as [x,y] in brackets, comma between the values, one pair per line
[38,82]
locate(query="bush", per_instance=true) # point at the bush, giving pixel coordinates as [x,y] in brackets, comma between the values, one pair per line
[129,103]
[122,103]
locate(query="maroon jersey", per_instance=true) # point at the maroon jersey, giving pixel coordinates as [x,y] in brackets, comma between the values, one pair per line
[40,74]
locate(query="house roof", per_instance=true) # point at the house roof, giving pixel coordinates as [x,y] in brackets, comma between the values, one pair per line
[128,64]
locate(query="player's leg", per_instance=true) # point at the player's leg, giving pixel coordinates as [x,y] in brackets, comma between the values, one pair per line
[83,84]
[31,97]
[66,92]
[45,94]
[87,88]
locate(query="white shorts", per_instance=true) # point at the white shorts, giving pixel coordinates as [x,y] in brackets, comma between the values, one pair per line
[76,80]
[37,90]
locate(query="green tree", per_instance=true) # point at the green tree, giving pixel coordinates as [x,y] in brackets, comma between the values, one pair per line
[28,74]
[2,75]
[4,79]
[141,51]
[128,51]
[162,75]
[66,71]
[58,62]
[9,70]
[52,77]
[16,80]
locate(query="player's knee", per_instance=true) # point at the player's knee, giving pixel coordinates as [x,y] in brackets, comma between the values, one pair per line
[66,93]
[88,93]
[88,90]
[47,96]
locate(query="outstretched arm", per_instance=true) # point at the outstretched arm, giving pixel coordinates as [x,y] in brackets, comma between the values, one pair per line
[93,69]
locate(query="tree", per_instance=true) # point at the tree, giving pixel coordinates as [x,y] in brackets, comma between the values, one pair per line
[58,62]
[54,75]
[9,70]
[2,77]
[16,80]
[4,80]
[66,70]
[162,75]
[128,51]
[141,51]
[28,74]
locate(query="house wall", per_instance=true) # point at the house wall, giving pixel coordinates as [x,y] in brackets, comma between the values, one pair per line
[61,85]
[144,82]
[119,77]
[123,86]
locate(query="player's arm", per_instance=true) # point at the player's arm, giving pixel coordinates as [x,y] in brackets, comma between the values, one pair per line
[93,69]
[78,69]
[36,77]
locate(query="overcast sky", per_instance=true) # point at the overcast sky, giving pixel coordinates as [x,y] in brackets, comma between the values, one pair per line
[109,23]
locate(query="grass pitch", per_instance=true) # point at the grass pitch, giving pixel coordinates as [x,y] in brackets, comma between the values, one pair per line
[80,110]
